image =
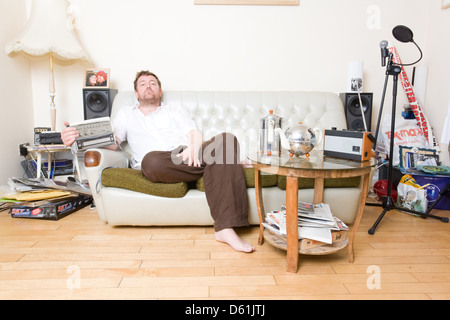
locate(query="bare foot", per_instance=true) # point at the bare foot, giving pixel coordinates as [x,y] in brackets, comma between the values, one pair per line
[229,236]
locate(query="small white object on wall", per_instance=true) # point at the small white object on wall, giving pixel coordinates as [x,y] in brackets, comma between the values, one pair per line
[420,83]
[446,130]
[355,76]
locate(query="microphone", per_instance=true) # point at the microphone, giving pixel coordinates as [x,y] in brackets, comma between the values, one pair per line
[384,52]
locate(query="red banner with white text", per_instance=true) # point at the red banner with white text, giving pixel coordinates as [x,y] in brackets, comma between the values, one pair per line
[415,104]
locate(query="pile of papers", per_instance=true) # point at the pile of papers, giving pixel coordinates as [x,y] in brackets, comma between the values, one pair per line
[24,186]
[34,193]
[315,222]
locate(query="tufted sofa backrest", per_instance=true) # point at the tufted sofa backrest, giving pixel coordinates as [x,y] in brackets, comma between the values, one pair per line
[240,112]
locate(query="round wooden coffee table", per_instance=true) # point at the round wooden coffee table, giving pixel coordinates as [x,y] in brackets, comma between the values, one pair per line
[319,168]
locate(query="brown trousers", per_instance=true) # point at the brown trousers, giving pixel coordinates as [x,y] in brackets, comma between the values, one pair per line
[224,182]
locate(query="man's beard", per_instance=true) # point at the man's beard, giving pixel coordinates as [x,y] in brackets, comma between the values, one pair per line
[149,98]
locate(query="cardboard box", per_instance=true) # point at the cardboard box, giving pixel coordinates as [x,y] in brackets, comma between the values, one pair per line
[51,209]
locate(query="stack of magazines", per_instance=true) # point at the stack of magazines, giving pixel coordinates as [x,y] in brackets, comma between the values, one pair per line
[315,222]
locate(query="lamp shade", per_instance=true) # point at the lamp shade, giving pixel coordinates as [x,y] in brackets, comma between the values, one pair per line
[48,31]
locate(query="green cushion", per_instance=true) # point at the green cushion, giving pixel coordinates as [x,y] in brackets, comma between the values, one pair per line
[308,183]
[134,180]
[268,180]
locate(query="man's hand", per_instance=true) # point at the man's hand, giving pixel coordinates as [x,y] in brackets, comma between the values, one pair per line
[68,135]
[191,154]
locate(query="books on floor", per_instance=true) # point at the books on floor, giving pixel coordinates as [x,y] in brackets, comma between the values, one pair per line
[315,222]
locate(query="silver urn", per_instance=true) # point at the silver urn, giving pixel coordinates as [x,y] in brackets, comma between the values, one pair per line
[299,140]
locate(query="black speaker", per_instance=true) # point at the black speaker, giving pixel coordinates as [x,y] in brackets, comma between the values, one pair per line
[98,102]
[353,110]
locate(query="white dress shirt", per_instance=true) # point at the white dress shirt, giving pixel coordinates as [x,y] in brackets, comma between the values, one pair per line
[162,130]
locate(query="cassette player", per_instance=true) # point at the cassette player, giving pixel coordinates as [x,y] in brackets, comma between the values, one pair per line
[352,145]
[94,133]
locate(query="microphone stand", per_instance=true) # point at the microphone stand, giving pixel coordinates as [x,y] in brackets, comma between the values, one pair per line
[388,202]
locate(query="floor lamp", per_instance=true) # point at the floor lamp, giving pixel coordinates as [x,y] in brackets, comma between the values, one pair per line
[49,31]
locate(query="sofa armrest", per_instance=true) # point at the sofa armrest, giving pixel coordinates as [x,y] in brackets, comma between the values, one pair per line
[104,158]
[97,160]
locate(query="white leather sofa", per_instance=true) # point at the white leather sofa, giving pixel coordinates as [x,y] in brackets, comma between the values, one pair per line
[216,112]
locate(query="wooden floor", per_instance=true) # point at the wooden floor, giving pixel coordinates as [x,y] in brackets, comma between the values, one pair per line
[79,257]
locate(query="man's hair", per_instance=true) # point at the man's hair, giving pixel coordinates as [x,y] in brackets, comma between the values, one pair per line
[145,73]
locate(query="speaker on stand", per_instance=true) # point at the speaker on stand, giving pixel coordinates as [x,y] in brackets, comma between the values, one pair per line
[98,102]
[352,108]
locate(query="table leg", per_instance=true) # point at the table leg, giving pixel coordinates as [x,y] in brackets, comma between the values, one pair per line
[77,166]
[49,165]
[38,165]
[260,205]
[319,184]
[292,224]
[362,204]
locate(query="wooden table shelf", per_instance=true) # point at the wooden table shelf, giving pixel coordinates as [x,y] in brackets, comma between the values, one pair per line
[319,168]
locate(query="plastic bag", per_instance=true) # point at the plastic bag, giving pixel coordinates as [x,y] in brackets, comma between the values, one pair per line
[407,133]
[411,195]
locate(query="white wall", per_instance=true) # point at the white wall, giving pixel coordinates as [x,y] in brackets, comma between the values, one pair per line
[248,48]
[16,104]
[438,60]
[235,47]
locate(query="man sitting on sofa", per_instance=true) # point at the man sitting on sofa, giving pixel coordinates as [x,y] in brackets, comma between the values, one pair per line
[167,146]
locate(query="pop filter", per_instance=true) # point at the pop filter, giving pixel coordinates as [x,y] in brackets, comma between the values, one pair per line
[403,34]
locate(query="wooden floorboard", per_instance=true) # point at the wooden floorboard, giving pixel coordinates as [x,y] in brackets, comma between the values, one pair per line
[79,257]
